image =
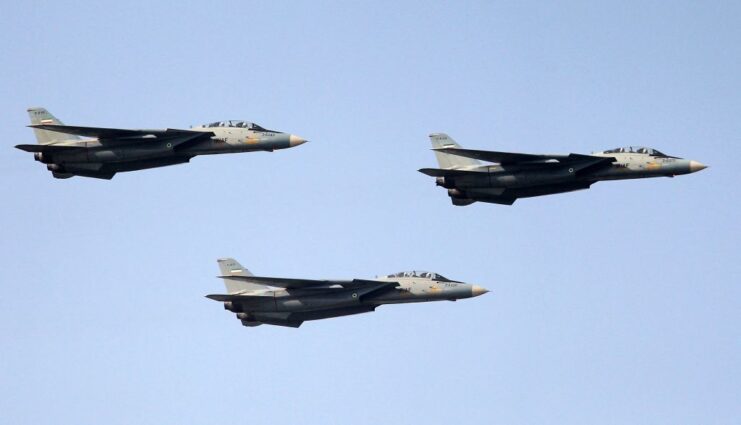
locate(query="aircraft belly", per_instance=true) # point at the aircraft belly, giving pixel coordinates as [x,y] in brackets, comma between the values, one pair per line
[317,302]
[481,179]
[515,179]
[294,319]
[533,178]
[402,300]
[218,150]
[627,176]
[130,153]
[143,164]
[329,313]
[63,157]
[266,305]
[627,173]
[551,189]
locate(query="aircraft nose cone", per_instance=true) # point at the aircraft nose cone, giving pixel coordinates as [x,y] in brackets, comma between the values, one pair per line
[477,290]
[697,166]
[294,140]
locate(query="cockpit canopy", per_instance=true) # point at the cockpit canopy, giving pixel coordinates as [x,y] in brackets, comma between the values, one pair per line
[238,124]
[638,150]
[422,275]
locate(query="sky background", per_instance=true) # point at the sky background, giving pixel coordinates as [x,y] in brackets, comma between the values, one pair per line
[616,305]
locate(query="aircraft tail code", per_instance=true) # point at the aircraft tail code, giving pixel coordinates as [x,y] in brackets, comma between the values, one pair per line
[442,140]
[44,117]
[231,267]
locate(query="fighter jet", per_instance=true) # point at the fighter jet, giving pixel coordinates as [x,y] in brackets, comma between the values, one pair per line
[522,175]
[108,151]
[289,302]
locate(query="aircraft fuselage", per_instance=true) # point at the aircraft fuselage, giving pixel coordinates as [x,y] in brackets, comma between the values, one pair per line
[118,150]
[289,307]
[504,183]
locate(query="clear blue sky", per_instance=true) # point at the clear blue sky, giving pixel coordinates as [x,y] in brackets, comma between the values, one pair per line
[617,305]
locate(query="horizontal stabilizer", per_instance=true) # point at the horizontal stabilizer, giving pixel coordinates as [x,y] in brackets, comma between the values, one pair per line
[237,297]
[442,172]
[47,148]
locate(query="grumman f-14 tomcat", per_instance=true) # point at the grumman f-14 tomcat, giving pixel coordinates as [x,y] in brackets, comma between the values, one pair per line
[258,300]
[523,175]
[107,151]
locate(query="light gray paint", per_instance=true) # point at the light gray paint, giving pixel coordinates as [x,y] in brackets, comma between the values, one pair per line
[290,302]
[107,151]
[517,175]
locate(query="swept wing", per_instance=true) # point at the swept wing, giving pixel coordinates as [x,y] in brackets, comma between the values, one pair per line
[291,283]
[114,136]
[500,157]
[506,158]
[582,164]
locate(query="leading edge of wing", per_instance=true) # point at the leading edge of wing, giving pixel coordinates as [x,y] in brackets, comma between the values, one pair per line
[290,283]
[110,133]
[281,282]
[499,157]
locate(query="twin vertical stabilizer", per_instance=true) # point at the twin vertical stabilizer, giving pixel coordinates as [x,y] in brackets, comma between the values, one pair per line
[40,116]
[231,267]
[448,161]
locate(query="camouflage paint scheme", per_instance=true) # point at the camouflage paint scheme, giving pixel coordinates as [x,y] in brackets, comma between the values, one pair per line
[258,300]
[108,151]
[520,175]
